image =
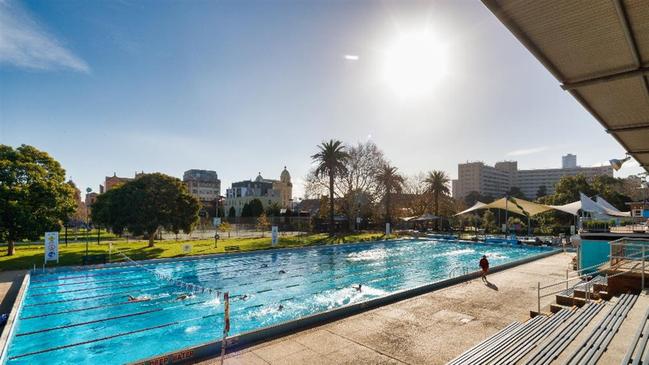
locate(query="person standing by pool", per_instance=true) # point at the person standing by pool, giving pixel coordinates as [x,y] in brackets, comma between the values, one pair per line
[484,265]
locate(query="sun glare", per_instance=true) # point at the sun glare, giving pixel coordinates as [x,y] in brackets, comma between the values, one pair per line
[414,63]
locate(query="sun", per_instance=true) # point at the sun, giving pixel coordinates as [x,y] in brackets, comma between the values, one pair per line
[414,63]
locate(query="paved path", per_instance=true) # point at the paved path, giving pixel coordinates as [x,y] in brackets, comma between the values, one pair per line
[429,329]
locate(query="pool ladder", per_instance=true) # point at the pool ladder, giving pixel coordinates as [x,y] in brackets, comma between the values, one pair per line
[464,270]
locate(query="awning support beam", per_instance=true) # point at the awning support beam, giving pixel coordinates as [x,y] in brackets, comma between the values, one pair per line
[606,78]
[633,152]
[628,128]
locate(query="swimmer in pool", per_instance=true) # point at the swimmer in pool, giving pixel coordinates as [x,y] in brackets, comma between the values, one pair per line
[138,299]
[359,287]
[281,307]
[184,296]
[282,272]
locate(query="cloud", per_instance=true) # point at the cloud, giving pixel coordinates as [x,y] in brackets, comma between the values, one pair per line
[24,43]
[351,57]
[528,151]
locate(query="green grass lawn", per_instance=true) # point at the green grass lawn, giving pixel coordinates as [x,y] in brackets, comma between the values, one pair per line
[28,255]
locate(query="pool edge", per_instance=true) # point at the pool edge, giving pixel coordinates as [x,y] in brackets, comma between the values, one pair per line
[212,349]
[10,326]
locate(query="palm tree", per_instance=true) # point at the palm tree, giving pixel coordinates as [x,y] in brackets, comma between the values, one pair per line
[437,182]
[392,183]
[331,162]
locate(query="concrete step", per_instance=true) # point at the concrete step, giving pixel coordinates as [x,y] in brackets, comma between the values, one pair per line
[554,308]
[569,300]
[600,287]
[581,293]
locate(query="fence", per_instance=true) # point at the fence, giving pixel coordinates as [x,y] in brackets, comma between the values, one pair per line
[624,251]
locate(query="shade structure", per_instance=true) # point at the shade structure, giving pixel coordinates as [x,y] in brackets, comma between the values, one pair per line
[476,206]
[425,217]
[518,206]
[599,207]
[570,208]
[610,209]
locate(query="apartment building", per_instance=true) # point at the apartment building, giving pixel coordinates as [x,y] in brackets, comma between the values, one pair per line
[496,180]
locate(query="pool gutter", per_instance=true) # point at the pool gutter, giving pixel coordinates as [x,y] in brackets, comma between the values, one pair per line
[213,348]
[10,326]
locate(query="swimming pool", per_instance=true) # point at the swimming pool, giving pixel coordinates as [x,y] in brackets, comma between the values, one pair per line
[85,317]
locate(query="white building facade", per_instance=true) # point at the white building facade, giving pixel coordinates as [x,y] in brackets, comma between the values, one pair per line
[497,180]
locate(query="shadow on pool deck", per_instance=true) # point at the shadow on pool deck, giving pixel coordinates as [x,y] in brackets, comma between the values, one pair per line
[431,328]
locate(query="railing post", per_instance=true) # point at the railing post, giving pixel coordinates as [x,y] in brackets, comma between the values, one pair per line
[538,297]
[642,267]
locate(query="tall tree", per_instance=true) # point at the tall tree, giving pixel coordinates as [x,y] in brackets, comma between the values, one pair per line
[331,159]
[473,197]
[515,192]
[357,187]
[34,196]
[489,221]
[437,182]
[147,204]
[391,182]
[541,192]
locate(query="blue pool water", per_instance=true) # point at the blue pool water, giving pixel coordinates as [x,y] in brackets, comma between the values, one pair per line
[73,317]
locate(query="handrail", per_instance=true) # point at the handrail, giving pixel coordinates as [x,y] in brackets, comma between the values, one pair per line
[589,283]
[575,278]
[464,272]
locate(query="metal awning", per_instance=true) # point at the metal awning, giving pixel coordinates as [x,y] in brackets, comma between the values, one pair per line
[599,51]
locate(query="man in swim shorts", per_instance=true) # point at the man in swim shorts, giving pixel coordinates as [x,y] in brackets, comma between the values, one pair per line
[484,265]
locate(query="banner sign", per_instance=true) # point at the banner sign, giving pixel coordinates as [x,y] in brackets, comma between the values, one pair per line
[387,229]
[275,234]
[52,246]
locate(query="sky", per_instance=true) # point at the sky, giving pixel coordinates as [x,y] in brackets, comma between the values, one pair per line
[242,87]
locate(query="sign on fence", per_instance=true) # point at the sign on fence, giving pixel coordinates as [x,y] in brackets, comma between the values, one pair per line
[216,221]
[275,234]
[52,246]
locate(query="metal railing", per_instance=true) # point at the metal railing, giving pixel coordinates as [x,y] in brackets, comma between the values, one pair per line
[622,251]
[465,271]
[629,250]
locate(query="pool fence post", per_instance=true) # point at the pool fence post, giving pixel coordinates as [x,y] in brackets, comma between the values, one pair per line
[226,323]
[538,297]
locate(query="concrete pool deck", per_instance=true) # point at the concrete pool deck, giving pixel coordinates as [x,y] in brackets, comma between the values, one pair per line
[431,328]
